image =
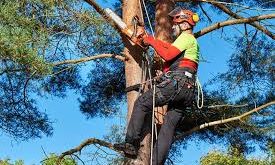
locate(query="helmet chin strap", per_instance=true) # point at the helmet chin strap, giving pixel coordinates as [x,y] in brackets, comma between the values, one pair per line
[187,29]
[180,28]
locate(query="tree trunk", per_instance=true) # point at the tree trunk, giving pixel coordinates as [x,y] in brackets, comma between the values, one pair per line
[133,70]
[133,74]
[163,21]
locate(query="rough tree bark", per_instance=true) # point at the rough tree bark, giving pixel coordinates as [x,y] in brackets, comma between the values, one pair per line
[133,73]
[163,21]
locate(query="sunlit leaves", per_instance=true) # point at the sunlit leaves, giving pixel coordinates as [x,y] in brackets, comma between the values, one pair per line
[233,157]
[52,159]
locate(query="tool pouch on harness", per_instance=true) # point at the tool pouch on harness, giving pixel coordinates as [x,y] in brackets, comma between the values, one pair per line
[183,83]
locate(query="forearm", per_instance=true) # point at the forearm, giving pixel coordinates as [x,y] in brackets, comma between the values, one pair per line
[164,49]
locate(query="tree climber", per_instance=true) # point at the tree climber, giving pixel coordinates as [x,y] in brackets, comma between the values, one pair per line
[176,89]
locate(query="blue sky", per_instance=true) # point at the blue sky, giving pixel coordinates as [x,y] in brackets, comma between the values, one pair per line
[71,127]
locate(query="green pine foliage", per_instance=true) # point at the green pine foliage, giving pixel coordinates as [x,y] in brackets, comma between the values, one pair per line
[234,157]
[53,160]
[8,162]
[22,37]
[34,35]
[217,158]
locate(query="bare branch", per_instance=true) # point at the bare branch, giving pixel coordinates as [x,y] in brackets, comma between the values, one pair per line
[221,6]
[234,15]
[233,22]
[103,14]
[223,121]
[230,4]
[86,59]
[227,105]
[85,144]
[205,13]
[26,84]
[79,158]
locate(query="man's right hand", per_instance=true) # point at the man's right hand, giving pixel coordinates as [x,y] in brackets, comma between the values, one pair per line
[140,35]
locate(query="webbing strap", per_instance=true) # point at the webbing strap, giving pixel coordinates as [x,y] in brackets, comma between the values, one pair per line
[136,87]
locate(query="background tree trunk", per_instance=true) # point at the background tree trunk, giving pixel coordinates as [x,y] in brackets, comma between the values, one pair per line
[163,21]
[163,31]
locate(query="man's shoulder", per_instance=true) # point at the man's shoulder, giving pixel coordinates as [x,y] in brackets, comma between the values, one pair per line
[186,37]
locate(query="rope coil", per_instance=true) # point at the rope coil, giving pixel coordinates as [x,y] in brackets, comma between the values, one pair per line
[200,97]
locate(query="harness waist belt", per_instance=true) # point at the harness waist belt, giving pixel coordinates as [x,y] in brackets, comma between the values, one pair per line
[188,63]
[180,73]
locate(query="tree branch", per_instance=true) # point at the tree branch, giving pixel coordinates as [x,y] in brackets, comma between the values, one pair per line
[86,59]
[203,126]
[85,144]
[223,121]
[222,7]
[232,22]
[205,13]
[103,14]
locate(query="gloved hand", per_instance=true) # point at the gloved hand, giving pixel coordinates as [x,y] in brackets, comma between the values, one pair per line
[140,34]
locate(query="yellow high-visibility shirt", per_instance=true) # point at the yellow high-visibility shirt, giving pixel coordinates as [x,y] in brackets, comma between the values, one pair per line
[188,44]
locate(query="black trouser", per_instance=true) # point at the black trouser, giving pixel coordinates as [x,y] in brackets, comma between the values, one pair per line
[178,93]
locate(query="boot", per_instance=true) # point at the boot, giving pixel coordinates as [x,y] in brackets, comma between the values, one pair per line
[129,149]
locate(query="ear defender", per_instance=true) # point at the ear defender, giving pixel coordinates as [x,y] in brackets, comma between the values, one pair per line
[195,18]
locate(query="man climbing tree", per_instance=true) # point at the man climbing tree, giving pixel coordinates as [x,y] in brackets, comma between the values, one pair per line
[45,45]
[206,124]
[176,87]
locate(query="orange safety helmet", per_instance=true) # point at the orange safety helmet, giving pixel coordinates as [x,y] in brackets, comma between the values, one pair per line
[180,15]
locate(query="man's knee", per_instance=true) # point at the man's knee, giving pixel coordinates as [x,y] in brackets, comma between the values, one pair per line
[145,102]
[140,101]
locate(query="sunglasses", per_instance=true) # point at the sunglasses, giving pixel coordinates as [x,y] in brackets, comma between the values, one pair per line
[182,16]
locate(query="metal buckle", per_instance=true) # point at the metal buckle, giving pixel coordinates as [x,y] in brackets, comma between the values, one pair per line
[188,74]
[168,74]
